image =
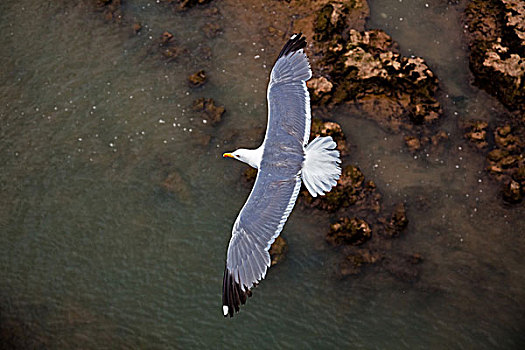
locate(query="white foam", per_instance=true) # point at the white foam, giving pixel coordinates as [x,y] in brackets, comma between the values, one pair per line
[225,310]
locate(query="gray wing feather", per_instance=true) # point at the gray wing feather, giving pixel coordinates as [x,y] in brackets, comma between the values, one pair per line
[288,97]
[260,221]
[278,180]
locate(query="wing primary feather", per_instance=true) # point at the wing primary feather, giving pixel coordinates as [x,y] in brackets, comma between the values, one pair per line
[296,42]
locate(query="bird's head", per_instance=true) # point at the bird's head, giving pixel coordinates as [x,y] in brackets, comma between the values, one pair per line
[248,156]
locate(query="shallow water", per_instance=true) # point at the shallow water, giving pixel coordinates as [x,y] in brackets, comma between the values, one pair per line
[94,254]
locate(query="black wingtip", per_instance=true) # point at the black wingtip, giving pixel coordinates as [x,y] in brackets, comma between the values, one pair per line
[296,42]
[232,294]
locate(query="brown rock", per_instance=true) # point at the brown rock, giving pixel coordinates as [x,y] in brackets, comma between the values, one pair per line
[137,27]
[413,143]
[197,79]
[208,110]
[278,250]
[212,29]
[495,32]
[512,192]
[166,38]
[352,231]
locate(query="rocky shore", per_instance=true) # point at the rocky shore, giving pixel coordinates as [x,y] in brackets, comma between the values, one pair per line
[362,71]
[496,38]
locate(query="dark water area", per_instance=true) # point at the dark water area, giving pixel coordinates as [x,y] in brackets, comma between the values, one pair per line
[95,254]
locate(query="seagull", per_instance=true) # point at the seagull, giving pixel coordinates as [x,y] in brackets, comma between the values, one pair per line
[284,160]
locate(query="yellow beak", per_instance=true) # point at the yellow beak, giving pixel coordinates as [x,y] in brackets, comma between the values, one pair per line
[228,155]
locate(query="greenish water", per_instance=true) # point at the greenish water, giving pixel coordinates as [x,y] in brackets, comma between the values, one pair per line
[95,254]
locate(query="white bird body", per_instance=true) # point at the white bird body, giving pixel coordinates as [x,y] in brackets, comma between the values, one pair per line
[284,160]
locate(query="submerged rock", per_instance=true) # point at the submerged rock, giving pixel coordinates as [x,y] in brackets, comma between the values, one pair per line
[396,223]
[110,8]
[278,250]
[168,47]
[197,79]
[208,110]
[506,156]
[356,261]
[175,184]
[476,132]
[186,4]
[211,29]
[403,267]
[350,190]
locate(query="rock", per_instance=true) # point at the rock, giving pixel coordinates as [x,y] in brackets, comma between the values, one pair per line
[365,69]
[354,262]
[402,268]
[111,9]
[137,27]
[211,30]
[274,31]
[348,191]
[495,33]
[176,185]
[249,175]
[497,154]
[167,46]
[187,4]
[506,160]
[352,231]
[278,250]
[197,79]
[166,38]
[413,143]
[476,132]
[512,192]
[208,110]
[396,223]
[319,87]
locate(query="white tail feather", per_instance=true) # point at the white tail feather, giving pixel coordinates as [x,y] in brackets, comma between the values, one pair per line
[321,166]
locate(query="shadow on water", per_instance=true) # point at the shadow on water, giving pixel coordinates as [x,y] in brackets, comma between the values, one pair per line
[95,253]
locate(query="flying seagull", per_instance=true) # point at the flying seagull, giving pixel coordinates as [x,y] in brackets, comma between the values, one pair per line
[284,159]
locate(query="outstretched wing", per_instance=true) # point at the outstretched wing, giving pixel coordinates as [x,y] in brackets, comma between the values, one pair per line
[260,221]
[278,181]
[288,97]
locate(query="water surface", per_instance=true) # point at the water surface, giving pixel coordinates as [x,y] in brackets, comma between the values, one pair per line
[95,254]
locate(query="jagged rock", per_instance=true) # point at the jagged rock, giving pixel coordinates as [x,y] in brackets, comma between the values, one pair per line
[278,250]
[197,79]
[496,36]
[352,231]
[166,38]
[476,132]
[512,192]
[413,143]
[167,46]
[320,87]
[208,110]
[366,70]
